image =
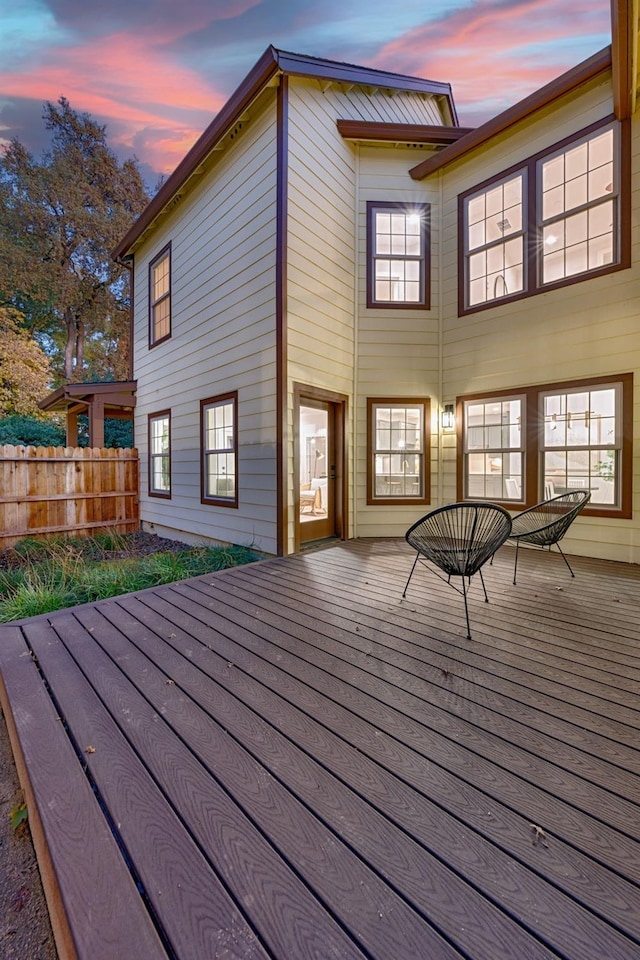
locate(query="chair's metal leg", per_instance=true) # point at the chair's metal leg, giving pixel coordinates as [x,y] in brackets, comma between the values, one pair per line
[565,559]
[466,608]
[404,592]
[515,566]
[486,598]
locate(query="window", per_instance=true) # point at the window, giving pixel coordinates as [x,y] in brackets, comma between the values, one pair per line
[397,260]
[160,297]
[218,417]
[552,219]
[579,192]
[398,448]
[493,449]
[160,454]
[495,235]
[538,442]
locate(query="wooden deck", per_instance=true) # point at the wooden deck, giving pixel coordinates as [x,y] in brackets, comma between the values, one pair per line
[288,761]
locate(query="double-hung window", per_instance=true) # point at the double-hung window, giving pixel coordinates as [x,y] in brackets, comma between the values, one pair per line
[397,255]
[537,442]
[398,451]
[549,221]
[493,448]
[579,189]
[218,425]
[495,259]
[160,454]
[160,297]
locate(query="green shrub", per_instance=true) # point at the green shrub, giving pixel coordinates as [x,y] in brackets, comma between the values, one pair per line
[29,431]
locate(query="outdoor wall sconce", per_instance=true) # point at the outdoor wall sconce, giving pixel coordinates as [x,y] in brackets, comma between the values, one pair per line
[447,417]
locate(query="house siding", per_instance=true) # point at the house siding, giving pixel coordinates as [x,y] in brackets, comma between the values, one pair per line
[587,329]
[398,350]
[323,261]
[223,241]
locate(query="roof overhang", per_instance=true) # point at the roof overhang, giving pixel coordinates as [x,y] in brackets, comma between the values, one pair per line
[267,71]
[374,132]
[117,397]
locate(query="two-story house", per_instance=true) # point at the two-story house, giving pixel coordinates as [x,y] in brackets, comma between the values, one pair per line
[348,309]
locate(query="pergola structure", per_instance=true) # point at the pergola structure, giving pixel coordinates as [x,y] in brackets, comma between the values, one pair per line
[98,400]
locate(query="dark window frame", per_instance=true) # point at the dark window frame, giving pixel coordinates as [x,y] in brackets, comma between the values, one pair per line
[533,445]
[218,400]
[424,260]
[378,500]
[532,201]
[159,415]
[153,340]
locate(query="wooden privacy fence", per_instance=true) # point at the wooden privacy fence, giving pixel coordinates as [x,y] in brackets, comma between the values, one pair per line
[45,490]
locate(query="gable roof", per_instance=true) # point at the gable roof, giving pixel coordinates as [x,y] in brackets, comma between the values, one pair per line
[272,64]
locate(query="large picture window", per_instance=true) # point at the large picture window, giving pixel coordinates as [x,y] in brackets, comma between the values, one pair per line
[160,297]
[218,420]
[538,442]
[160,454]
[554,218]
[398,449]
[397,261]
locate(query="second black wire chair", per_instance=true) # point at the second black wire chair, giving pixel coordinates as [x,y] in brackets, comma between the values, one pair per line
[459,539]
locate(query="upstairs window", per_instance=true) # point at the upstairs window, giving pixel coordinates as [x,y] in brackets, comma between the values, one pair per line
[160,297]
[397,261]
[495,240]
[160,454]
[550,221]
[578,216]
[218,421]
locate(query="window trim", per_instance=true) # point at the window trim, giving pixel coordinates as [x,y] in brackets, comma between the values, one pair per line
[161,494]
[378,501]
[218,400]
[534,442]
[165,252]
[532,202]
[424,303]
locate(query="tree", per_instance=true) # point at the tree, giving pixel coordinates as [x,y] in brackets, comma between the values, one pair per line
[24,368]
[60,217]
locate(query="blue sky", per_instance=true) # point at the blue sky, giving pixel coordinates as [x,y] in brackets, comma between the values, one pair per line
[156,71]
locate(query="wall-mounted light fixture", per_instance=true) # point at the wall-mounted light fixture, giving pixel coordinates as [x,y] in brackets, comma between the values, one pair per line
[447,417]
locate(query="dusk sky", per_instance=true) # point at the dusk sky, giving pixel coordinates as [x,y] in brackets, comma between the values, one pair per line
[157,71]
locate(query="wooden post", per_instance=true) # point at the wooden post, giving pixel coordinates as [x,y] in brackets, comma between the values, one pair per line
[72,429]
[96,423]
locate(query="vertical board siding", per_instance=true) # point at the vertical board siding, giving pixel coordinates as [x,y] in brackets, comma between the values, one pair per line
[588,329]
[223,242]
[74,490]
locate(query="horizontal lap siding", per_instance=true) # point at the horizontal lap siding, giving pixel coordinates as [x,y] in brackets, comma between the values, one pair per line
[587,329]
[328,187]
[223,338]
[397,349]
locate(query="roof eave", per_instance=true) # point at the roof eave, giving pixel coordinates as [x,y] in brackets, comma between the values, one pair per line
[400,132]
[569,81]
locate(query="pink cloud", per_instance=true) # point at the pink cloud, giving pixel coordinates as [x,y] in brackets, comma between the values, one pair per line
[485,50]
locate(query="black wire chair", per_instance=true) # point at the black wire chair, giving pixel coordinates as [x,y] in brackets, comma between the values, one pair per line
[459,539]
[547,523]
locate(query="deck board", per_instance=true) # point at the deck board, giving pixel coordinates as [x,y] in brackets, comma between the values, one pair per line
[296,763]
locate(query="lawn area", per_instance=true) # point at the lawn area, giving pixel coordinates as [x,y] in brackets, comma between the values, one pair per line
[41,575]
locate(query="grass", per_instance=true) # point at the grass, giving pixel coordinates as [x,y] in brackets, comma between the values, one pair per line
[40,576]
